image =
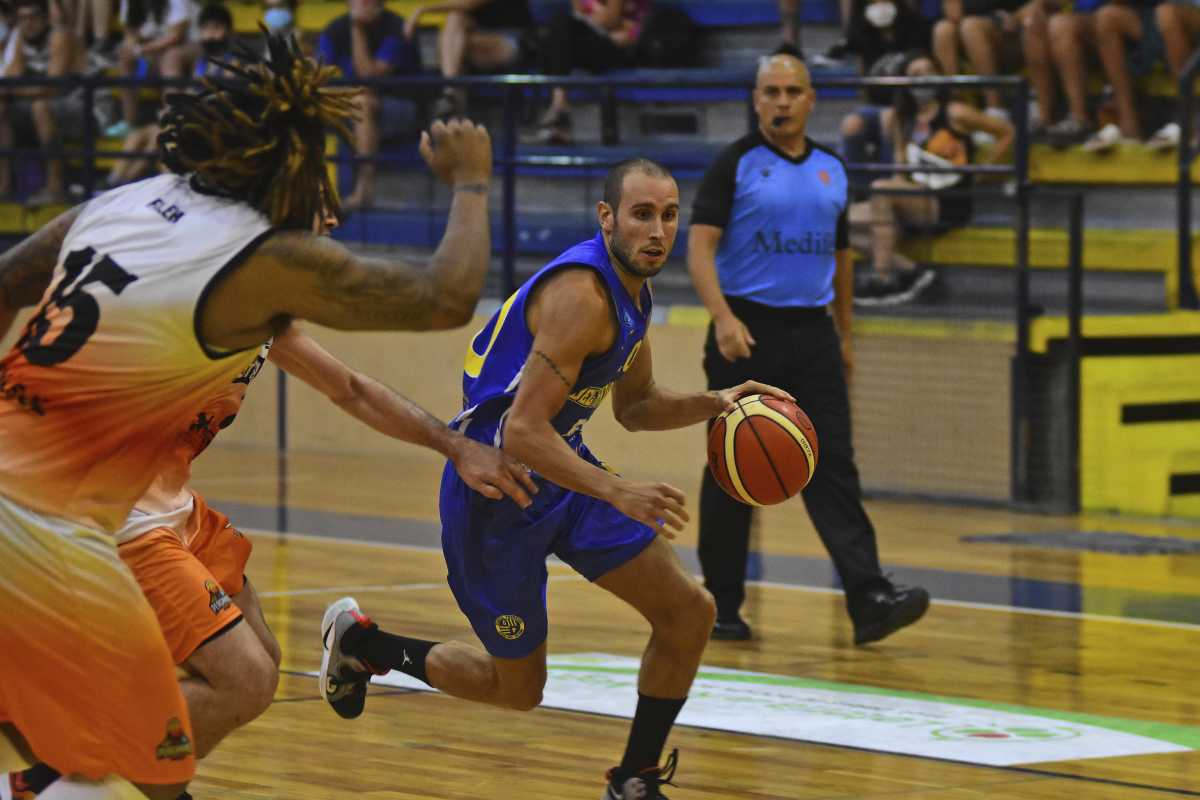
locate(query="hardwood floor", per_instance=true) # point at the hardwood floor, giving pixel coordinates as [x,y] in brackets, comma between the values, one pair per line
[1118,658]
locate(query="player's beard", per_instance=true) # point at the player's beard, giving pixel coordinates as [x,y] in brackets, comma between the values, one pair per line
[623,254]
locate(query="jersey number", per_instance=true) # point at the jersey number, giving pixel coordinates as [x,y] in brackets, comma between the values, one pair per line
[85,311]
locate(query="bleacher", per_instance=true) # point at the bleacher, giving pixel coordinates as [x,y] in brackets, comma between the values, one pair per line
[1130,246]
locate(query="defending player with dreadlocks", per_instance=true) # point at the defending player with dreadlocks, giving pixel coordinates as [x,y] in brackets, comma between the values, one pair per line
[151,298]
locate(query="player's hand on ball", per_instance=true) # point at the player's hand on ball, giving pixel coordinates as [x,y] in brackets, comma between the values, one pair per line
[458,152]
[728,397]
[493,473]
[658,505]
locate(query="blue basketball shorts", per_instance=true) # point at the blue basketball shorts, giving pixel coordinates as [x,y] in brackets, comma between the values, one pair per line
[496,555]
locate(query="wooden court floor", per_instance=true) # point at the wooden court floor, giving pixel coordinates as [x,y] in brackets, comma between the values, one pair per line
[1120,645]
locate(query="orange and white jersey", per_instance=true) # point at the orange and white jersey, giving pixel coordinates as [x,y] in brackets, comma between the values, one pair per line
[108,385]
[168,501]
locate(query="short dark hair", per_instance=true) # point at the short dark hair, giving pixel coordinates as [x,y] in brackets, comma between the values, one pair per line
[215,13]
[614,183]
[257,134]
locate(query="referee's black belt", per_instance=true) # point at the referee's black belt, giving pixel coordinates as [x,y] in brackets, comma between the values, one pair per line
[750,311]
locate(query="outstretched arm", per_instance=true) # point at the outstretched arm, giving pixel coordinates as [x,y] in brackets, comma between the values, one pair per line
[296,274]
[26,268]
[640,404]
[571,319]
[484,469]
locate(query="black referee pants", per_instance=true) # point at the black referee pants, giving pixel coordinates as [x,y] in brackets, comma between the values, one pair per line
[799,351]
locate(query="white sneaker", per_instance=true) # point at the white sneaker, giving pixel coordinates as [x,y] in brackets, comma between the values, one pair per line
[343,679]
[1104,139]
[1167,137]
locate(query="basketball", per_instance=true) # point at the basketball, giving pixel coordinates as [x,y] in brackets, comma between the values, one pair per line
[762,451]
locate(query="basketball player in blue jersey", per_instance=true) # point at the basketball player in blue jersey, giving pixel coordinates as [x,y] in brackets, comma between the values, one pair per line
[533,376]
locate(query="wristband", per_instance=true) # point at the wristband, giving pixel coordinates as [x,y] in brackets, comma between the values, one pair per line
[476,188]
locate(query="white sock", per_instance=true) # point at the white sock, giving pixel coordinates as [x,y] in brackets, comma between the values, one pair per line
[111,788]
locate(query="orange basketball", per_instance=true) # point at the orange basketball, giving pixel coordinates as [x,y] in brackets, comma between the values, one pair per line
[763,451]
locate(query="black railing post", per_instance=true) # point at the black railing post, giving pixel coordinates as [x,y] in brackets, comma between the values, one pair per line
[609,126]
[1019,441]
[509,209]
[1183,205]
[89,137]
[1074,347]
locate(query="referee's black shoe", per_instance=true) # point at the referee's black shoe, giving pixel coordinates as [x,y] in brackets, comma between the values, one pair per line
[731,629]
[884,608]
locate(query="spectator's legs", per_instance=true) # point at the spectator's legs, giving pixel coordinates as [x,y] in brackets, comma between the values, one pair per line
[1180,27]
[887,211]
[47,133]
[1114,25]
[1036,46]
[864,140]
[141,140]
[789,28]
[127,64]
[945,46]
[452,48]
[366,143]
[981,41]
[1068,35]
[175,61]
[559,56]
[102,12]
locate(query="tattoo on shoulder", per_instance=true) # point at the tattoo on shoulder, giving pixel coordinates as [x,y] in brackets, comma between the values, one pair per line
[26,268]
[550,363]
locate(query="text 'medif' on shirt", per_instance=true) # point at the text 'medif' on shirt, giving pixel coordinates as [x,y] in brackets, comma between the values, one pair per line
[783,220]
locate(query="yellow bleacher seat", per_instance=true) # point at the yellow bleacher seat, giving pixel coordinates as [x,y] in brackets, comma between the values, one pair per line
[313,17]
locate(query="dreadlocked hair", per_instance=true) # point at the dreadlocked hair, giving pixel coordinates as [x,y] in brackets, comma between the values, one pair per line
[256,132]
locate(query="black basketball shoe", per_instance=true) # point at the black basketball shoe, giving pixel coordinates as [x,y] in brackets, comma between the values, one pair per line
[885,608]
[644,785]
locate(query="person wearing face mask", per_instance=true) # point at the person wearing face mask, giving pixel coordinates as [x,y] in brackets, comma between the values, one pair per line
[926,128]
[216,38]
[880,27]
[280,17]
[36,113]
[881,33]
[769,255]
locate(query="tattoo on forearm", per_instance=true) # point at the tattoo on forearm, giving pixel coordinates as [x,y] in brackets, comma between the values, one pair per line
[550,363]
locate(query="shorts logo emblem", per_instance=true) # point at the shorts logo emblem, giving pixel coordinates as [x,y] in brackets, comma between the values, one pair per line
[176,745]
[217,599]
[510,626]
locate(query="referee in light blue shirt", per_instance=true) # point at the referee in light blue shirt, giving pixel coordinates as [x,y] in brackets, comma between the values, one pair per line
[768,252]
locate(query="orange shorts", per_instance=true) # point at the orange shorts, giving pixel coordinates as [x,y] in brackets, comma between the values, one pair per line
[190,586]
[85,675]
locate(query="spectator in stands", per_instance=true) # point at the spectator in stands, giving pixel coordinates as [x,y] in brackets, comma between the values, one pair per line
[369,42]
[156,33]
[989,33]
[596,35]
[927,128]
[40,113]
[280,16]
[1127,42]
[481,35]
[6,23]
[879,28]
[1179,26]
[215,24]
[789,23]
[94,17]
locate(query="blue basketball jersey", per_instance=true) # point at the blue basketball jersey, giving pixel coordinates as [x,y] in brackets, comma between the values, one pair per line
[497,354]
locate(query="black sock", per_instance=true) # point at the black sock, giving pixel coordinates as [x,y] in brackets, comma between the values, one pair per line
[38,777]
[651,724]
[384,651]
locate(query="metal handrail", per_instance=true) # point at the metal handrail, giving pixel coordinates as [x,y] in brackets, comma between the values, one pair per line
[1183,197]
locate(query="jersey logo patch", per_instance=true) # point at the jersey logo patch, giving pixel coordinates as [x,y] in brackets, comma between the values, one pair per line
[590,397]
[176,746]
[510,626]
[171,213]
[824,177]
